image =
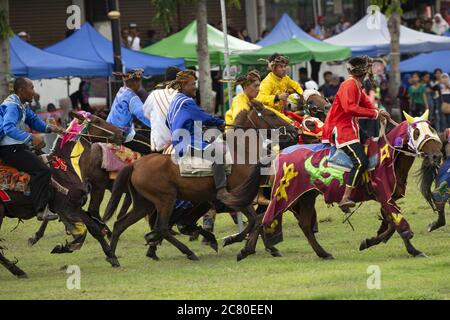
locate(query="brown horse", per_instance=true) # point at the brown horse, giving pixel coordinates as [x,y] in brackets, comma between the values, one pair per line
[21,208]
[243,181]
[425,142]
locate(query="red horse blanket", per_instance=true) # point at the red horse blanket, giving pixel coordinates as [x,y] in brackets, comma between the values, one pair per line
[304,168]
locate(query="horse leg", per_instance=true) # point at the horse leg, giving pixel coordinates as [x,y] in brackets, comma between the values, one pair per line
[97,232]
[250,214]
[250,247]
[136,214]
[97,195]
[305,212]
[384,233]
[39,234]
[441,217]
[11,266]
[125,206]
[152,246]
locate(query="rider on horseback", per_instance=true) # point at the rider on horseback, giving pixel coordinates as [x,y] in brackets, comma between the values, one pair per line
[126,106]
[341,126]
[277,86]
[183,115]
[15,141]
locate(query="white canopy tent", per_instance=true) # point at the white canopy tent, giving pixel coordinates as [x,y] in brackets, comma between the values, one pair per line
[371,36]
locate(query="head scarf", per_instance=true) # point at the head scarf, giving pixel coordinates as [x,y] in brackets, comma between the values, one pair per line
[276,60]
[182,78]
[440,27]
[136,74]
[249,78]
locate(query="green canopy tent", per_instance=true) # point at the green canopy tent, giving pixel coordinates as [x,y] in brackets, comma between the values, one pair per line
[297,50]
[184,45]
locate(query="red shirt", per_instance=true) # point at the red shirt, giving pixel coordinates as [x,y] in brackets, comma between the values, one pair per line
[350,104]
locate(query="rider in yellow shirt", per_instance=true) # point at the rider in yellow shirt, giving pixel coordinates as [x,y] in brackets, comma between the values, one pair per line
[277,86]
[251,85]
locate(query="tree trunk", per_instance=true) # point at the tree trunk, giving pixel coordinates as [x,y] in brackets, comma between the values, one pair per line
[262,16]
[4,56]
[204,81]
[394,74]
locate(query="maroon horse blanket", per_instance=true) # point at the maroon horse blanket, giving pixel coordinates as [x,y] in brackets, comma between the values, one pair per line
[304,168]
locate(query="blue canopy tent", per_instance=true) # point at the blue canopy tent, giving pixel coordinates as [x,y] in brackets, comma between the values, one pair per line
[88,44]
[286,29]
[34,63]
[427,62]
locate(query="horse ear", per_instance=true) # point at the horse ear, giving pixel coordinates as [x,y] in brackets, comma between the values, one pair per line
[408,117]
[76,115]
[426,115]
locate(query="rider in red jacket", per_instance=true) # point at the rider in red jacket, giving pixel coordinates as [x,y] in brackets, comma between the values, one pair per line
[341,126]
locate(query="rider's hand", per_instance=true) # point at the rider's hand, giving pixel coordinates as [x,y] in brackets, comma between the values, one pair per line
[37,142]
[56,129]
[383,115]
[283,96]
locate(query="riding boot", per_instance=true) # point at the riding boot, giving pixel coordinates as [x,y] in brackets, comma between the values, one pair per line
[346,203]
[220,180]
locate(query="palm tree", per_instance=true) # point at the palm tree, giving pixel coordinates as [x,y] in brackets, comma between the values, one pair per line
[5,33]
[165,10]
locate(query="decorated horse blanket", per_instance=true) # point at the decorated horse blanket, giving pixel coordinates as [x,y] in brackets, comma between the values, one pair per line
[303,168]
[115,158]
[13,180]
[442,192]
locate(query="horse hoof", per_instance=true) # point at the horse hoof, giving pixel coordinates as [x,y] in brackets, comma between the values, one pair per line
[328,257]
[364,245]
[214,246]
[420,255]
[193,257]
[32,242]
[61,250]
[243,254]
[228,241]
[434,226]
[153,256]
[114,262]
[274,252]
[22,275]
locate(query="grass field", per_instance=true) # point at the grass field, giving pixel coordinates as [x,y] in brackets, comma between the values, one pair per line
[299,274]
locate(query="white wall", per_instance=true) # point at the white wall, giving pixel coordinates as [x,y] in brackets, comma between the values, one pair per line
[51,90]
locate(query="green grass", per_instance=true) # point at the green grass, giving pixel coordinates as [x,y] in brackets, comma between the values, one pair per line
[299,274]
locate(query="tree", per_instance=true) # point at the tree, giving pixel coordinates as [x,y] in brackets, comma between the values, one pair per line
[393,12]
[5,34]
[165,10]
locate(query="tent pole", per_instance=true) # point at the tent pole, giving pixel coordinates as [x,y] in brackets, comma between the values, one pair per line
[227,51]
[68,86]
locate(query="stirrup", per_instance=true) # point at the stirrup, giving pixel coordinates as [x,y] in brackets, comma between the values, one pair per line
[345,206]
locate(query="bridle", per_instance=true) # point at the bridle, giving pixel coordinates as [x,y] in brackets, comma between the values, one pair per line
[88,137]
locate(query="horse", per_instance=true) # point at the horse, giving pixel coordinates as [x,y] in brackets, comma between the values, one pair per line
[302,182]
[243,182]
[70,212]
[430,173]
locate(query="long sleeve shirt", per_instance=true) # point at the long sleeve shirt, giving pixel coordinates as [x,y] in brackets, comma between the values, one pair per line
[185,121]
[14,115]
[350,104]
[273,86]
[127,106]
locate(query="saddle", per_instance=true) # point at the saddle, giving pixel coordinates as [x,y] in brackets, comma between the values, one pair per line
[196,166]
[13,180]
[115,158]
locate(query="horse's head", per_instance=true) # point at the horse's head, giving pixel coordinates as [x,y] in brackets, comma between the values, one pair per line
[97,129]
[315,105]
[423,139]
[261,117]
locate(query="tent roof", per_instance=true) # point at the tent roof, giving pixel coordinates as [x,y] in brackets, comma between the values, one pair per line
[427,62]
[88,44]
[183,44]
[378,38]
[285,29]
[34,63]
[298,51]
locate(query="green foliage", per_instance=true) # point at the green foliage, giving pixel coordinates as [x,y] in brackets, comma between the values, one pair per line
[5,29]
[166,10]
[390,6]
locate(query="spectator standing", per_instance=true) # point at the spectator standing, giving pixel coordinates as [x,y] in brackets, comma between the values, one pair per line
[418,97]
[428,26]
[303,76]
[440,26]
[403,96]
[434,113]
[326,78]
[80,98]
[124,38]
[332,88]
[134,40]
[243,35]
[417,24]
[445,91]
[320,30]
[436,98]
[370,127]
[385,97]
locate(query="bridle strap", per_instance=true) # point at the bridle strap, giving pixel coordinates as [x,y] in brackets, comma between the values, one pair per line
[383,134]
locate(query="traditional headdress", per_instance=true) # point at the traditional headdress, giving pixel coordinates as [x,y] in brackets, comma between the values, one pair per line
[136,74]
[276,60]
[360,66]
[182,78]
[249,78]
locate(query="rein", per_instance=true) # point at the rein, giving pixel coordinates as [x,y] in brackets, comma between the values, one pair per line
[383,134]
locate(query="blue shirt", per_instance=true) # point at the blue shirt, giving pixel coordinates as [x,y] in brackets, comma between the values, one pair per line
[127,105]
[13,116]
[183,115]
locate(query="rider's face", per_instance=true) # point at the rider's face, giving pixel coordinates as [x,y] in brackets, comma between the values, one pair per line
[190,88]
[252,90]
[280,71]
[26,93]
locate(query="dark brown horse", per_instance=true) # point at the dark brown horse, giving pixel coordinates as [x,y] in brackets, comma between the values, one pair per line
[243,182]
[21,207]
[427,143]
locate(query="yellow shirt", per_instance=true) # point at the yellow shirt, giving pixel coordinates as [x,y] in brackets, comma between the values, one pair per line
[272,86]
[241,102]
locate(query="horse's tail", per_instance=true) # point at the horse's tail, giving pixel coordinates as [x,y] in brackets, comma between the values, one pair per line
[427,174]
[120,187]
[243,195]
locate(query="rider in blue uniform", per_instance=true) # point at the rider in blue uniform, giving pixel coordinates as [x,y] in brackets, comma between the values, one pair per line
[15,140]
[126,107]
[185,114]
